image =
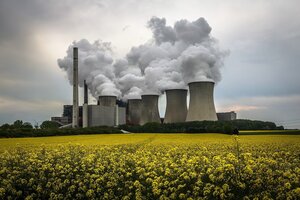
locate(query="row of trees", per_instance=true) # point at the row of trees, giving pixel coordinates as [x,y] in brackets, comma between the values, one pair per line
[19,124]
[49,128]
[226,127]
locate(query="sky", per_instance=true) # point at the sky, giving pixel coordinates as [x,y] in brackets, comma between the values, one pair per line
[260,76]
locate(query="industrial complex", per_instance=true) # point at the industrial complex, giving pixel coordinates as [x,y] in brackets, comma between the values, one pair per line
[109,111]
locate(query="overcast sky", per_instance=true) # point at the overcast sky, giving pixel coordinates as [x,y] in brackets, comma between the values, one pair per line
[260,78]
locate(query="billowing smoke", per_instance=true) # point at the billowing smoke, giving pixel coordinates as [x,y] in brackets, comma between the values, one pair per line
[176,56]
[94,65]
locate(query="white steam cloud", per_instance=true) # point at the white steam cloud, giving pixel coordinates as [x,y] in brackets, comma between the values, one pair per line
[178,55]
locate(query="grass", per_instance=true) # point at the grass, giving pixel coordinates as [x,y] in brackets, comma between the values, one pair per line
[117,139]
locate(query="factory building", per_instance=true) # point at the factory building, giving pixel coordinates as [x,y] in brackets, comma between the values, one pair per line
[108,113]
[226,116]
[61,120]
[66,117]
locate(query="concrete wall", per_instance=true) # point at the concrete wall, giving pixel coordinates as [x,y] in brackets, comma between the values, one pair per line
[85,115]
[122,115]
[107,101]
[105,115]
[226,116]
[202,105]
[176,109]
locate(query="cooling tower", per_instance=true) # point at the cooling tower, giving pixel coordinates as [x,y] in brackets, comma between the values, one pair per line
[176,110]
[134,111]
[202,105]
[107,101]
[150,109]
[75,113]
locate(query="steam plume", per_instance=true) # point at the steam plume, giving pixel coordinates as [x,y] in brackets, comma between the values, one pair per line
[176,56]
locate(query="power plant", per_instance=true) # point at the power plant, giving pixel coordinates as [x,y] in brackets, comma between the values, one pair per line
[107,112]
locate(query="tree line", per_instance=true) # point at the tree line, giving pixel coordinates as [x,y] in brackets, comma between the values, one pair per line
[50,128]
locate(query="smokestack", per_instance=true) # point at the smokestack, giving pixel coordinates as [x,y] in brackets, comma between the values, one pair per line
[150,109]
[134,111]
[85,106]
[176,110]
[202,105]
[85,87]
[75,88]
[107,101]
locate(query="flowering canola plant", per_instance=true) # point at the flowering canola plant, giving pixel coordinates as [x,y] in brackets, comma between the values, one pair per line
[152,169]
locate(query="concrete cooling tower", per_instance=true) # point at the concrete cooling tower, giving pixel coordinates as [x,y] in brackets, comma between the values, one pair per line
[150,109]
[202,105]
[107,101]
[134,111]
[176,110]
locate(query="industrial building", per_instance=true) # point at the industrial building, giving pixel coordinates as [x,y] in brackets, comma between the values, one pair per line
[227,116]
[110,111]
[107,113]
[66,117]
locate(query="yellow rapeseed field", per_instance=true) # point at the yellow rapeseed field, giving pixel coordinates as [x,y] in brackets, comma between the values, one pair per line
[151,166]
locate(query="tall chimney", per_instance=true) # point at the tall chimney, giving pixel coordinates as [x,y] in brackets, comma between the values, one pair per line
[75,88]
[85,92]
[176,110]
[202,105]
[85,111]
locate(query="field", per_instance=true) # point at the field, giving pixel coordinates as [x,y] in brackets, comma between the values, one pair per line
[151,166]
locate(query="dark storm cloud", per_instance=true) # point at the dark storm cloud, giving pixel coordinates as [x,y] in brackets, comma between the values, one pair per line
[20,18]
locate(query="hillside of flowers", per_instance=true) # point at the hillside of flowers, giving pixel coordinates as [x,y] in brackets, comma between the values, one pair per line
[211,170]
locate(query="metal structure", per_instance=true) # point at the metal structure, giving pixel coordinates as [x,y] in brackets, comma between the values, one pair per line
[75,115]
[107,101]
[202,105]
[134,111]
[176,110]
[150,111]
